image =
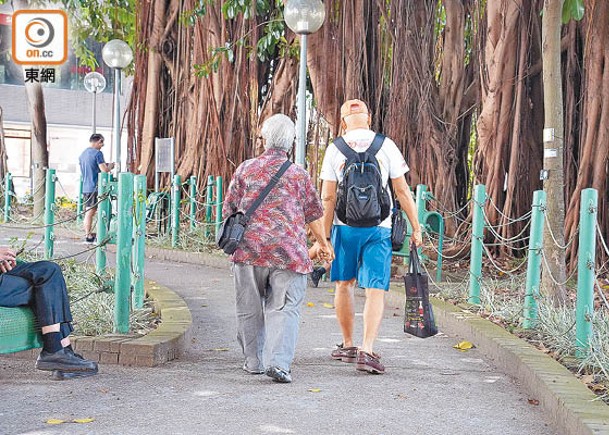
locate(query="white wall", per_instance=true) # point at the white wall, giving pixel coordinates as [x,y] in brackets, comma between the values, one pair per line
[66,143]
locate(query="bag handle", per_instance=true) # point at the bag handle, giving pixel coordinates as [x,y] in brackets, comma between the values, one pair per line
[415,262]
[274,179]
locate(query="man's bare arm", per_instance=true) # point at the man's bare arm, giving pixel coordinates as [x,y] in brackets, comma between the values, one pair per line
[328,199]
[106,167]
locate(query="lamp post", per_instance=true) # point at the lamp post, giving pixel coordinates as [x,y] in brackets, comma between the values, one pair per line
[117,55]
[303,17]
[94,83]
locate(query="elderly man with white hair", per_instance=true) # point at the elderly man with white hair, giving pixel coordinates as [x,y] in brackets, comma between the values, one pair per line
[272,262]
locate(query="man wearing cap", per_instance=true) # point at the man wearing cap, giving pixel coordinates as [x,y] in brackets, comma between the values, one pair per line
[363,254]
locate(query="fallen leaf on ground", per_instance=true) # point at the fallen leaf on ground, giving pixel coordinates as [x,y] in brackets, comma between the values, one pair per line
[327,305]
[464,345]
[221,349]
[330,290]
[55,421]
[310,304]
[83,420]
[314,390]
[533,402]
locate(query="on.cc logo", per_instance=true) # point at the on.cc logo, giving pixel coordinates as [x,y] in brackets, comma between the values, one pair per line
[40,37]
[39,32]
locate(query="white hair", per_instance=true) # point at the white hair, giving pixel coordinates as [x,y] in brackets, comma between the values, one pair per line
[278,132]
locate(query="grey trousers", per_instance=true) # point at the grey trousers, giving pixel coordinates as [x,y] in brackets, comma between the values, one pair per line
[268,304]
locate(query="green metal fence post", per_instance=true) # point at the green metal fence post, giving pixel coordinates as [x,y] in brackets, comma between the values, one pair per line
[475,269]
[124,242]
[49,214]
[104,209]
[139,244]
[176,198]
[8,184]
[421,202]
[441,230]
[79,205]
[208,203]
[193,201]
[219,200]
[531,293]
[586,258]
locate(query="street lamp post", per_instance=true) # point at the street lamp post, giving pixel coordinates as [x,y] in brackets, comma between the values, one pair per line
[94,83]
[117,55]
[303,17]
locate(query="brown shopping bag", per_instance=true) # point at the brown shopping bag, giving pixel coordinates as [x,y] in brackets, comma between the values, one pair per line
[418,318]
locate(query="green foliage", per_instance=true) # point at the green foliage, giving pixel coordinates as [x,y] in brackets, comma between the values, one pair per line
[101,22]
[190,17]
[572,9]
[272,44]
[213,64]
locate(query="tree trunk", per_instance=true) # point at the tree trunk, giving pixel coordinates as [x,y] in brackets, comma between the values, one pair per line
[588,147]
[554,276]
[40,152]
[508,157]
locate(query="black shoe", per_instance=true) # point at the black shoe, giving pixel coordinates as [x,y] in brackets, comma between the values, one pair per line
[64,360]
[59,375]
[279,375]
[316,275]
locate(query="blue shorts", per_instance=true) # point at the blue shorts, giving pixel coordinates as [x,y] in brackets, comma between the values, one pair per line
[362,253]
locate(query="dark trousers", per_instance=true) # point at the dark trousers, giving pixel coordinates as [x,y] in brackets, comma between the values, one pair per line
[41,286]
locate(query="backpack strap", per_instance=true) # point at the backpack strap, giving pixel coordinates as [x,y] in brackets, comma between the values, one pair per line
[345,149]
[376,144]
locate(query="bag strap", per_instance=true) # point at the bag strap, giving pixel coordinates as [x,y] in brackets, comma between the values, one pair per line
[345,149]
[415,263]
[376,144]
[274,179]
[396,203]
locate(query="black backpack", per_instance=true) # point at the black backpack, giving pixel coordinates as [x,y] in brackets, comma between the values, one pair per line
[362,200]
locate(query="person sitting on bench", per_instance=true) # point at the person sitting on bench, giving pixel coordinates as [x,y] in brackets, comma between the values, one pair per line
[41,286]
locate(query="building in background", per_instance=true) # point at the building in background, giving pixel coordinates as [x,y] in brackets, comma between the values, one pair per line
[69,113]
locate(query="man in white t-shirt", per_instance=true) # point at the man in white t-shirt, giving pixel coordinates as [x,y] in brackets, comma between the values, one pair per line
[363,254]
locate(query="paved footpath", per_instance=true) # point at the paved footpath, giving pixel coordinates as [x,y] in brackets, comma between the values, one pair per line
[429,387]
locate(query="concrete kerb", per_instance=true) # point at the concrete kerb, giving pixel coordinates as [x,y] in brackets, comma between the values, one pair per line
[572,406]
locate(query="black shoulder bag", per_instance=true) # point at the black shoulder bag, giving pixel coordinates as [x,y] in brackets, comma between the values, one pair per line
[398,223]
[418,320]
[231,232]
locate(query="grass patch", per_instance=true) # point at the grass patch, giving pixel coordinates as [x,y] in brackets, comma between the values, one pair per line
[92,301]
[502,302]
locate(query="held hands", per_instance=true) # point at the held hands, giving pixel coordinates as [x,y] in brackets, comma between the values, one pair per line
[323,251]
[7,259]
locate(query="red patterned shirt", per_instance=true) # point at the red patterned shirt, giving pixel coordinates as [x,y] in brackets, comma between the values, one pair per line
[275,235]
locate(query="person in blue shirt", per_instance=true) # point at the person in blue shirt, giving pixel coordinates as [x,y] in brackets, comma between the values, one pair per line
[91,164]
